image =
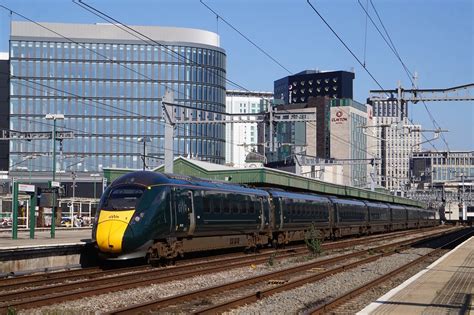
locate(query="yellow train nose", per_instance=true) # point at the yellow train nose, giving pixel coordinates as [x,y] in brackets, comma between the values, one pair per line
[111,228]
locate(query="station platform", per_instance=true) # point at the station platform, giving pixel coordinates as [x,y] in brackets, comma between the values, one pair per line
[63,236]
[71,247]
[444,287]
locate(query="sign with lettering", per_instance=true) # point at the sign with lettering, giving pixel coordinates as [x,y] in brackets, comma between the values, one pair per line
[339,119]
[26,188]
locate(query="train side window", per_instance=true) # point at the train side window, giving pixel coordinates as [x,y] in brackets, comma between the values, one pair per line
[206,202]
[226,204]
[212,204]
[234,204]
[251,206]
[245,205]
[216,204]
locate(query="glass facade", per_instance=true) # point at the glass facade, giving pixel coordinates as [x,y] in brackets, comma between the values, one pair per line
[110,96]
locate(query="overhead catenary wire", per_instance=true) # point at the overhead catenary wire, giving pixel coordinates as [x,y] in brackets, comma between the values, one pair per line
[145,38]
[353,54]
[393,48]
[258,47]
[94,51]
[35,82]
[219,16]
[118,23]
[365,37]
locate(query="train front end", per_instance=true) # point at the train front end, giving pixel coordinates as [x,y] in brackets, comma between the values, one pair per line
[123,227]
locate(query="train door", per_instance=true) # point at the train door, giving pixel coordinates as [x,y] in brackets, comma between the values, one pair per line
[279,215]
[262,214]
[182,208]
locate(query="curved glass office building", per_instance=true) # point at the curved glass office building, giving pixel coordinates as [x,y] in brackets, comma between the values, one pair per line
[108,84]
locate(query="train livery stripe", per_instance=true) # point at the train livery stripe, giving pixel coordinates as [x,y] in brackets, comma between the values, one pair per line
[111,228]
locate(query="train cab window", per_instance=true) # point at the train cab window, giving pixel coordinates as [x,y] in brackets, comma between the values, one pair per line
[123,198]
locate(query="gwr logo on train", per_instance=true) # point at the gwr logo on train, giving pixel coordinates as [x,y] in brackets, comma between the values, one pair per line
[182,207]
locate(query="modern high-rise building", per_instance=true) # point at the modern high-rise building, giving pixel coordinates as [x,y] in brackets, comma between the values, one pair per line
[242,138]
[108,84]
[339,142]
[299,87]
[4,108]
[397,141]
[350,123]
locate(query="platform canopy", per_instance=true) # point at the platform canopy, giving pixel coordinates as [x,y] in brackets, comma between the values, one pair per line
[268,177]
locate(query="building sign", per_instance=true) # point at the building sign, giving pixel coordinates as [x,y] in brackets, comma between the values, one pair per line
[26,188]
[55,184]
[339,119]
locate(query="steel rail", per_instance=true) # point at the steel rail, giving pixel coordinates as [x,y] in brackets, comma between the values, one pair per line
[333,304]
[255,296]
[99,286]
[11,284]
[159,303]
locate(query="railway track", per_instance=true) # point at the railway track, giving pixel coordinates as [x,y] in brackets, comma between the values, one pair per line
[348,296]
[35,297]
[322,308]
[49,278]
[281,275]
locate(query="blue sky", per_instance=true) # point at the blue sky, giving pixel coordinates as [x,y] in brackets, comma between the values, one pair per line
[434,38]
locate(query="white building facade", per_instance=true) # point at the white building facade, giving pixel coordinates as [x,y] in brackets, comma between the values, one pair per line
[397,140]
[242,138]
[349,122]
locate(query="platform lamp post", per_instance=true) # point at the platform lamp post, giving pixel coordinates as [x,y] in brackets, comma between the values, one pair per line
[144,139]
[54,117]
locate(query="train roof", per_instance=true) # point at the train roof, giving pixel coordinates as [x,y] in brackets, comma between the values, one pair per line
[151,179]
[289,194]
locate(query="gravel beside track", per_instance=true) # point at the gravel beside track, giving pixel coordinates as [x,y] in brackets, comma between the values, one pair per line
[373,294]
[142,294]
[310,295]
[287,302]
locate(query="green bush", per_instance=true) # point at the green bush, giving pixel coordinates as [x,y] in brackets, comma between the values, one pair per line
[313,241]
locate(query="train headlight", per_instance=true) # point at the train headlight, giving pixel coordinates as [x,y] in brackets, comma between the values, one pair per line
[138,217]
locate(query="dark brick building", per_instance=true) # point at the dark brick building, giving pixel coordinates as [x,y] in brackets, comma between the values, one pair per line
[299,87]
